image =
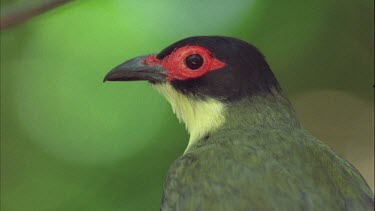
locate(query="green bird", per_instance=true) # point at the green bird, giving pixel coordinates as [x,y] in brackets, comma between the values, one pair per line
[247,149]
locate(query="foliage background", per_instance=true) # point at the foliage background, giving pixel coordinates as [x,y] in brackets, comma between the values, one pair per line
[70,142]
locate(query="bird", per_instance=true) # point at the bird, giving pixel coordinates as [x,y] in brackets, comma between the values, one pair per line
[247,149]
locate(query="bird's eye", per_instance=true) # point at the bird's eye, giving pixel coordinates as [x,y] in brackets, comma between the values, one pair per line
[194,61]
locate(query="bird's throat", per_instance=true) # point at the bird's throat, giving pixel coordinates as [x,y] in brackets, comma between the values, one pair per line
[201,117]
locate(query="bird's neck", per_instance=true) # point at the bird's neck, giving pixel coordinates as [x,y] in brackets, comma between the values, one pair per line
[262,111]
[208,116]
[271,110]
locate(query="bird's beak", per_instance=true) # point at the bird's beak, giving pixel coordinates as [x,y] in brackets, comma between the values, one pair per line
[137,69]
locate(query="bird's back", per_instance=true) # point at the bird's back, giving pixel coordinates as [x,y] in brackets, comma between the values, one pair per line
[273,169]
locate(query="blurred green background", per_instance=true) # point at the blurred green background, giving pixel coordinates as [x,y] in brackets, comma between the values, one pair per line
[70,142]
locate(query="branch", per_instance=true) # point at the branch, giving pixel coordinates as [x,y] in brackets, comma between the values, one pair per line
[21,15]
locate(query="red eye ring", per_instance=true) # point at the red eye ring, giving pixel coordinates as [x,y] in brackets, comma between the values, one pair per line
[178,70]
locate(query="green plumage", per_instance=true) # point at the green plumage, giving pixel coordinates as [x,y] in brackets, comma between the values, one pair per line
[262,159]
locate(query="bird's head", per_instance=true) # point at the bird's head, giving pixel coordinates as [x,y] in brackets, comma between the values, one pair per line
[200,76]
[220,68]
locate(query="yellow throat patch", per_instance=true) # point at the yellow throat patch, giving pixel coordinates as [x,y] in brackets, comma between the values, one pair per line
[200,116]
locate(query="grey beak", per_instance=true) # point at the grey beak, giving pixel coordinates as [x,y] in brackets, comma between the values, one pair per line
[137,70]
